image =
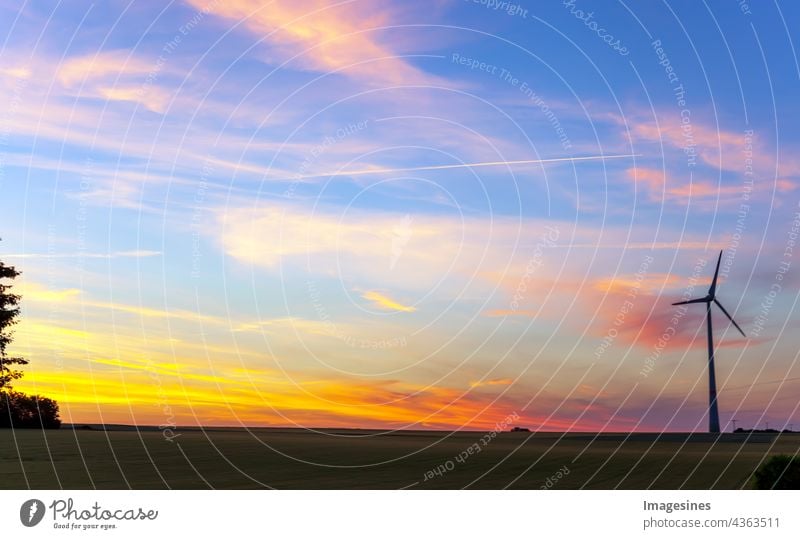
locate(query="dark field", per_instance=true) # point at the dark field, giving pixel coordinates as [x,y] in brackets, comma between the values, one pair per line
[341,459]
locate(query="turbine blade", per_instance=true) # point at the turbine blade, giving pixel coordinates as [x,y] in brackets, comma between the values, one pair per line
[713,288]
[698,300]
[729,317]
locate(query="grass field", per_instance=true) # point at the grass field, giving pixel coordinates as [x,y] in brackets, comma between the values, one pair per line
[342,459]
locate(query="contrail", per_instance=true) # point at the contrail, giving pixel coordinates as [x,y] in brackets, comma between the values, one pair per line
[464,165]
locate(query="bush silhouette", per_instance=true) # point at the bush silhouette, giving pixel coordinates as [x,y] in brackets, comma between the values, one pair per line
[18,410]
[781,472]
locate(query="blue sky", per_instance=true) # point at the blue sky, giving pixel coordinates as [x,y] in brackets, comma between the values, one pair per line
[233,212]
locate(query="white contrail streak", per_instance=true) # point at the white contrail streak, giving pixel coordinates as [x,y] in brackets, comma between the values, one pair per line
[464,165]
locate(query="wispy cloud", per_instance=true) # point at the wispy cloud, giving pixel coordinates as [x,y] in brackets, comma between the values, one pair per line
[154,99]
[104,65]
[714,145]
[492,382]
[37,292]
[320,36]
[17,72]
[660,186]
[383,301]
[117,254]
[646,282]
[115,75]
[663,187]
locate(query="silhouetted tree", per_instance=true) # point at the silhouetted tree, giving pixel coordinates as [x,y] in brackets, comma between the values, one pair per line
[780,472]
[18,409]
[9,310]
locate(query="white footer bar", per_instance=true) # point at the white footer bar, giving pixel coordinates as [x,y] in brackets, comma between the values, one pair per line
[401,514]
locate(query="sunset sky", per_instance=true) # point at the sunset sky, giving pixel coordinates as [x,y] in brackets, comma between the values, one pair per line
[237,212]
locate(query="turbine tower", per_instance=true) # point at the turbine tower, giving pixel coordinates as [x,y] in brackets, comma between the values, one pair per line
[711,297]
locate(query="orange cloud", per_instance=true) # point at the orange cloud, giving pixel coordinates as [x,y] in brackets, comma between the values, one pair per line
[142,397]
[110,374]
[317,35]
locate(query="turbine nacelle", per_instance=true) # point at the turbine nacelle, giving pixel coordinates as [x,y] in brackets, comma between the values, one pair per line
[712,297]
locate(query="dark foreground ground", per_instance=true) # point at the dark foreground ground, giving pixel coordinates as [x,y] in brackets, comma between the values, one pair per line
[340,459]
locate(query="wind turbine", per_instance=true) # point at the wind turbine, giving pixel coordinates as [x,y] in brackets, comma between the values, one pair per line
[711,297]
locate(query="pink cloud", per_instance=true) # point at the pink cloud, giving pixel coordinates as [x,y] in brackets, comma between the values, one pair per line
[715,146]
[660,186]
[322,37]
[106,65]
